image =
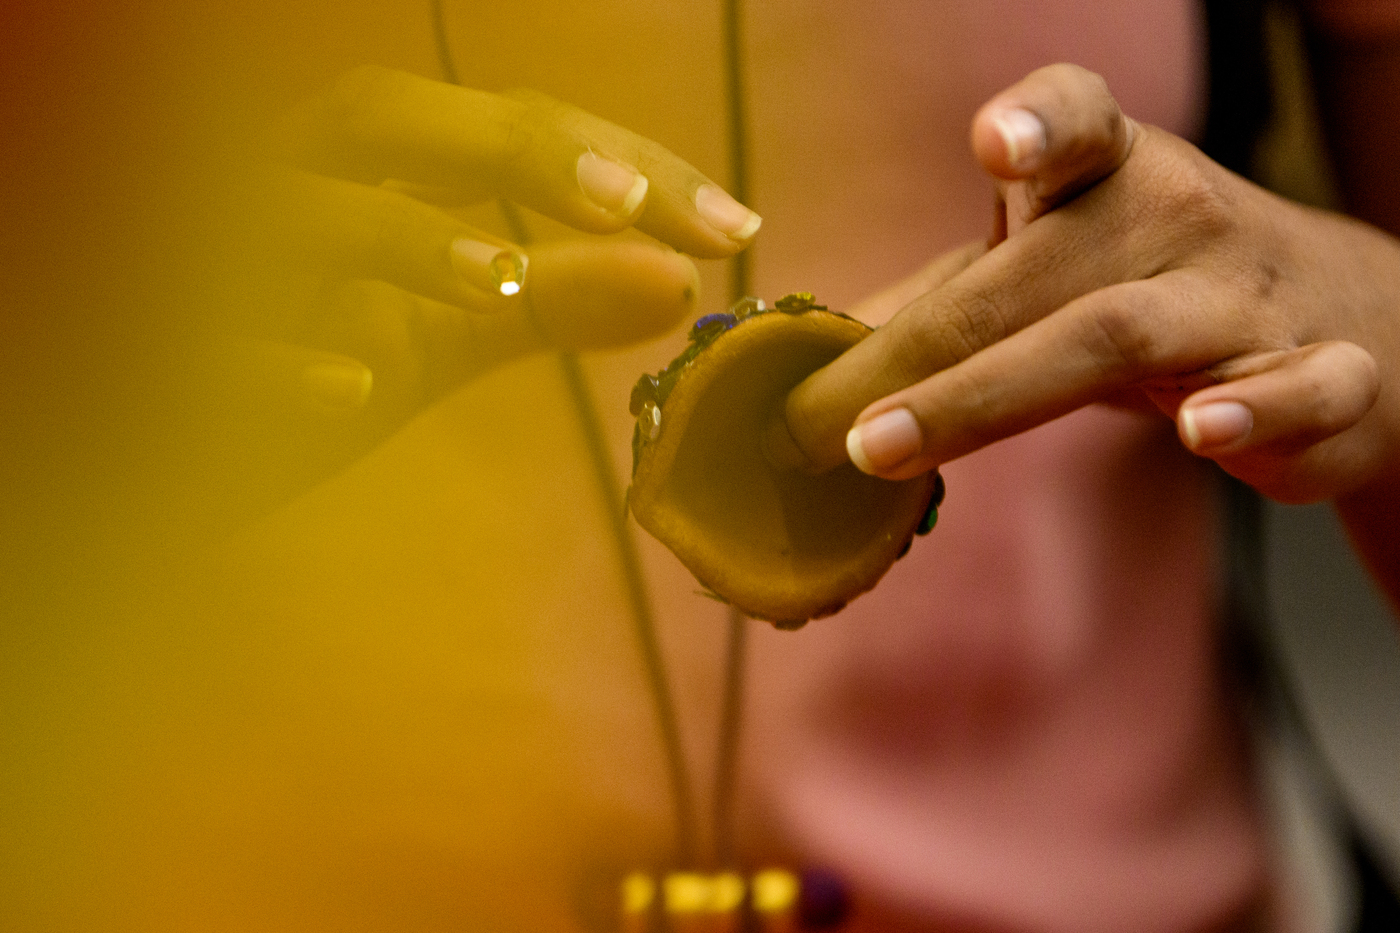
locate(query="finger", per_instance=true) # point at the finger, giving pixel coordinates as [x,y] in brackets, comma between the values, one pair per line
[594,294]
[582,295]
[683,207]
[314,382]
[782,447]
[1128,335]
[1289,402]
[1127,228]
[377,124]
[357,231]
[1019,281]
[281,416]
[1059,131]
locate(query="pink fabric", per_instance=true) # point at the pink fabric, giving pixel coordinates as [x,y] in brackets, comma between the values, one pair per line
[1023,727]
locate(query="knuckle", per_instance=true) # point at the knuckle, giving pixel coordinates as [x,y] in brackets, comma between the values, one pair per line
[1071,81]
[650,158]
[1086,87]
[522,128]
[1079,90]
[1119,339]
[528,95]
[932,338]
[980,416]
[1194,201]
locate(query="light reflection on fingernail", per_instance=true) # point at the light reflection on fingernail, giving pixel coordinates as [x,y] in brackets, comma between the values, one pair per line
[489,266]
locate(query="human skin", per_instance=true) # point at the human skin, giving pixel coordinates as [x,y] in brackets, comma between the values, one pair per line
[366,191]
[1131,268]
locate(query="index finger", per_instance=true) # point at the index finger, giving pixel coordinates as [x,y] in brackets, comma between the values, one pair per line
[376,124]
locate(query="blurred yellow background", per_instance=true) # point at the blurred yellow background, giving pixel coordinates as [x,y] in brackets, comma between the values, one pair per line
[408,699]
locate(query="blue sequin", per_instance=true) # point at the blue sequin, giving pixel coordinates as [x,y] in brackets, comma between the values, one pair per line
[712,325]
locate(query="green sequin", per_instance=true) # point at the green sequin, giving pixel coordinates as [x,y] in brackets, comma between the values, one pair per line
[798,303]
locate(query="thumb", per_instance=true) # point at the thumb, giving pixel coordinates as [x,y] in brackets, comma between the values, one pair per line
[1052,135]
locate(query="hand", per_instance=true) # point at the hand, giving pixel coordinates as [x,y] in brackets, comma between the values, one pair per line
[1133,266]
[376,295]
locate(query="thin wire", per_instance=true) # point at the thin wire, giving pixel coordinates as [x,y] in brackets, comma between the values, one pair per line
[644,624]
[730,729]
[444,51]
[605,477]
[740,284]
[736,653]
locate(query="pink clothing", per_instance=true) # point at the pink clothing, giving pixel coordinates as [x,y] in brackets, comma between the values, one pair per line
[1024,726]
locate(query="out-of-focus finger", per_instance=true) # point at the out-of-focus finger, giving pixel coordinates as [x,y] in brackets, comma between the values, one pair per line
[377,124]
[1287,402]
[683,207]
[358,231]
[1058,130]
[582,295]
[315,382]
[592,294]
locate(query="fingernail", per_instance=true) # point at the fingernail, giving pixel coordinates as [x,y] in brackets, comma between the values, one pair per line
[341,385]
[725,214]
[614,187]
[885,441]
[1023,134]
[1215,424]
[489,266]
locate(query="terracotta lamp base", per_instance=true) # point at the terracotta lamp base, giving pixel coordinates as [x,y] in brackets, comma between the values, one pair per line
[779,544]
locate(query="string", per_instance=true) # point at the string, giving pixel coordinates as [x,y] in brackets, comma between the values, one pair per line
[444,51]
[605,477]
[740,286]
[643,621]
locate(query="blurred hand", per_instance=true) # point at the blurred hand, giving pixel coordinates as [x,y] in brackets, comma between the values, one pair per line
[1126,264]
[379,297]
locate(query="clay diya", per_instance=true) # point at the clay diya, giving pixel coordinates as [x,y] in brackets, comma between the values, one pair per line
[779,544]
